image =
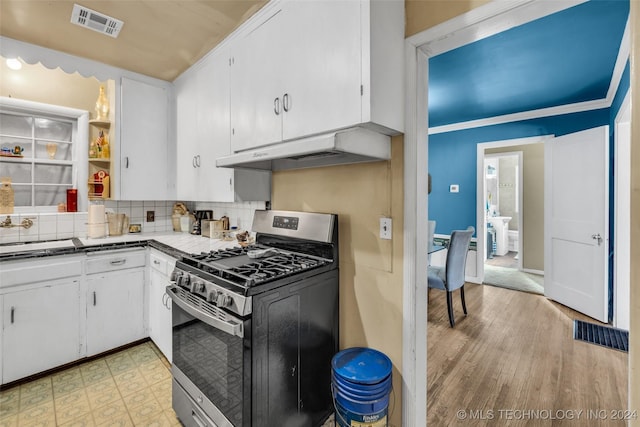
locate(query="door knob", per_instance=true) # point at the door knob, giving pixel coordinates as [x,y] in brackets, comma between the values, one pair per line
[597,237]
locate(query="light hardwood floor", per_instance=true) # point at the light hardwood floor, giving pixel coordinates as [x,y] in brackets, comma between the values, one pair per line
[513,362]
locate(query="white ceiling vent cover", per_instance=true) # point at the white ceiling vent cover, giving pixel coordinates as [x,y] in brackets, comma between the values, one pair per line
[96,21]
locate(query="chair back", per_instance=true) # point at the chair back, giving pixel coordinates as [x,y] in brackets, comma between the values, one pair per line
[457,257]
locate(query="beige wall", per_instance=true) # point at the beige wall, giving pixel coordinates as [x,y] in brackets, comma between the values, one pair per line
[634,339]
[426,13]
[532,203]
[53,86]
[370,268]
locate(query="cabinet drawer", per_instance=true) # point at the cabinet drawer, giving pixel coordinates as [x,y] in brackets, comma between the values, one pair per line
[115,260]
[45,269]
[164,264]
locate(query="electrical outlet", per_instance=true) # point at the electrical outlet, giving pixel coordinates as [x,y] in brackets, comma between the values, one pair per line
[454,188]
[385,228]
[151,216]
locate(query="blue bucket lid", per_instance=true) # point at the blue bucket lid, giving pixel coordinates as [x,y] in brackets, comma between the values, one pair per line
[362,365]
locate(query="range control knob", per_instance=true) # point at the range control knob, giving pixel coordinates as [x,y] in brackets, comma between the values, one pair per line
[224,300]
[212,296]
[184,281]
[197,286]
[175,276]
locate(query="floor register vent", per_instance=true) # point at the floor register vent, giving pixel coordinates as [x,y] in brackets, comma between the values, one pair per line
[96,21]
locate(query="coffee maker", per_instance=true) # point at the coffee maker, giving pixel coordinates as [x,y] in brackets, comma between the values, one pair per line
[197,224]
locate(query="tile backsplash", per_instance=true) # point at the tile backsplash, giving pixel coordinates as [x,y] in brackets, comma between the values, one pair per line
[65,225]
[46,226]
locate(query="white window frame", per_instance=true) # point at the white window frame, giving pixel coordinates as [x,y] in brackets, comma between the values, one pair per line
[80,121]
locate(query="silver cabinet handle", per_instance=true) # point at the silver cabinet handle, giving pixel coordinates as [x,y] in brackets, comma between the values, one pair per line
[276,106]
[118,261]
[13,312]
[285,102]
[94,298]
[126,162]
[597,237]
[156,262]
[198,160]
[193,162]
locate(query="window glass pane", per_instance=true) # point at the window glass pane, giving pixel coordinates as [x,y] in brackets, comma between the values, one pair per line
[60,150]
[8,144]
[20,173]
[38,138]
[53,129]
[15,125]
[50,195]
[53,174]
[21,195]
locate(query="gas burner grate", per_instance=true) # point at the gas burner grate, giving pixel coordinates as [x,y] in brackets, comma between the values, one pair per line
[254,271]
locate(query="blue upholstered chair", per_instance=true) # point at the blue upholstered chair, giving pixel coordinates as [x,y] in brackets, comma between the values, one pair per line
[451,277]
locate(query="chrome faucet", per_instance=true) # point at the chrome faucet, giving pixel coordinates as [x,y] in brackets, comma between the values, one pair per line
[26,223]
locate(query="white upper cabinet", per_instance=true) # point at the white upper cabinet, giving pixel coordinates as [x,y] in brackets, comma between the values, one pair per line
[257,85]
[187,134]
[203,130]
[322,67]
[144,118]
[310,67]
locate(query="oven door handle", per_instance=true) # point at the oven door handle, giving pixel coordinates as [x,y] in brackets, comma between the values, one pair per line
[231,328]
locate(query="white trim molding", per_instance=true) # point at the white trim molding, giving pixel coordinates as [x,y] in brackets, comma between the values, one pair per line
[480,22]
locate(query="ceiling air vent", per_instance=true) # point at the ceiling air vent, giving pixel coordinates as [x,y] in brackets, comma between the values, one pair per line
[96,21]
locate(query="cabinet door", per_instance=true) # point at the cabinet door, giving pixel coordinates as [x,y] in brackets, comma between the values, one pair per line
[160,312]
[115,314]
[213,123]
[187,137]
[41,329]
[143,141]
[256,85]
[322,70]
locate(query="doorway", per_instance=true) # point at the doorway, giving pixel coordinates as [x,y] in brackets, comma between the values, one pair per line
[511,257]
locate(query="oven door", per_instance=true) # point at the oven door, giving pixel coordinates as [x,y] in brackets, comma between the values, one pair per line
[211,363]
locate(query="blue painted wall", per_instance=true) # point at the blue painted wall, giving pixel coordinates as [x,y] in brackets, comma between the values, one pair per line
[452,160]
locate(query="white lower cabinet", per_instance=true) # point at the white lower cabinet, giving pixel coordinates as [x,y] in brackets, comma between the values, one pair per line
[159,302]
[41,328]
[115,313]
[115,300]
[59,309]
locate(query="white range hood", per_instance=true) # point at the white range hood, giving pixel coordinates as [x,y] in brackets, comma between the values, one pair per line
[354,145]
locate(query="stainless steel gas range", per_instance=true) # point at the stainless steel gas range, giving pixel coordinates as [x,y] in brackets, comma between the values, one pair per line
[255,328]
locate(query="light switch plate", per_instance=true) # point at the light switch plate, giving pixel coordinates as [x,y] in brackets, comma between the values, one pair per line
[454,188]
[385,228]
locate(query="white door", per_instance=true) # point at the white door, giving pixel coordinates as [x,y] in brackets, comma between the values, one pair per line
[41,329]
[187,134]
[213,129]
[143,141]
[576,220]
[324,63]
[256,85]
[114,310]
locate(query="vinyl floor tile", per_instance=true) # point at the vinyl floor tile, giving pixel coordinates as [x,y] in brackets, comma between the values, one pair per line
[9,421]
[128,388]
[102,393]
[114,413]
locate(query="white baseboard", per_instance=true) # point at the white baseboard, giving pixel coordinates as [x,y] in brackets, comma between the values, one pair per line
[532,271]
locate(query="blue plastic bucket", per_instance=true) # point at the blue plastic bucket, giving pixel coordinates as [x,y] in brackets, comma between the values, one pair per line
[361,383]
